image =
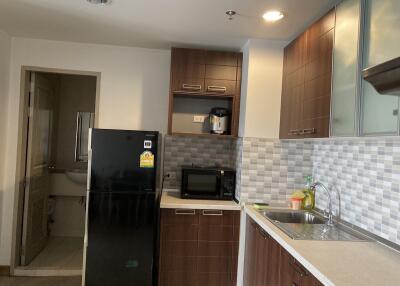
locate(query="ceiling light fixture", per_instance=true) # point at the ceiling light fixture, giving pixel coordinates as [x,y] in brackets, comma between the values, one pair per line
[99,2]
[273,16]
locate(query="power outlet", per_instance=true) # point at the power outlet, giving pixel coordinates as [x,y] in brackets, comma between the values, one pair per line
[198,118]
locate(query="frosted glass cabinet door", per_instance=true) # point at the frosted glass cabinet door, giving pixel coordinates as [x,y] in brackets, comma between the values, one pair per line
[344,83]
[381,43]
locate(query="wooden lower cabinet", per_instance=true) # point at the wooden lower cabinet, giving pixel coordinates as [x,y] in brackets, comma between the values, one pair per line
[198,247]
[268,264]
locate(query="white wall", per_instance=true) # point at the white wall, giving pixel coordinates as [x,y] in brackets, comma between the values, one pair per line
[261,88]
[5,45]
[133,95]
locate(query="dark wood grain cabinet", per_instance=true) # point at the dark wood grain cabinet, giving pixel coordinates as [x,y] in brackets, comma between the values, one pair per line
[269,264]
[201,79]
[307,77]
[198,247]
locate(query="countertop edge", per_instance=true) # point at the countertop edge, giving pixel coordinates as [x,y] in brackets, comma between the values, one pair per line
[197,204]
[264,223]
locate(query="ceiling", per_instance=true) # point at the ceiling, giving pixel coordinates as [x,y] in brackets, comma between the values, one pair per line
[158,23]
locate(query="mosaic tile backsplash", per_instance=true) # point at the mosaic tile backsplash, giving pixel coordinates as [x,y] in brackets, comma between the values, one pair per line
[203,151]
[271,169]
[365,171]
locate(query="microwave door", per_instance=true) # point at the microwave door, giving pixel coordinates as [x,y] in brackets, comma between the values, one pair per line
[202,185]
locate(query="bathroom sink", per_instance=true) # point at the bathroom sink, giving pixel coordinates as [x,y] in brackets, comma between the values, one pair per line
[303,217]
[78,176]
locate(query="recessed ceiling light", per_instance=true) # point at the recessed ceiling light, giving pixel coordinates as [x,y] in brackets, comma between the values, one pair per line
[273,16]
[100,2]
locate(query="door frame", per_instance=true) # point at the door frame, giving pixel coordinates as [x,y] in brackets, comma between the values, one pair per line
[22,153]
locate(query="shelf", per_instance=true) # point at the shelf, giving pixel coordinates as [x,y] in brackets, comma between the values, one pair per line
[203,135]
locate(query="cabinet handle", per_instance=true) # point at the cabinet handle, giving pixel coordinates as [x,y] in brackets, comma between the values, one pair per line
[215,88]
[185,212]
[193,87]
[212,212]
[297,268]
[309,131]
[263,233]
[295,132]
[294,284]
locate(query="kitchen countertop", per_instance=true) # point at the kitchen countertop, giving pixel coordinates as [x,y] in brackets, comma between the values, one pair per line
[338,263]
[171,200]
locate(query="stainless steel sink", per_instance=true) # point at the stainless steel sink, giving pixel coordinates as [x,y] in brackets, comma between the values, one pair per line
[303,217]
[306,225]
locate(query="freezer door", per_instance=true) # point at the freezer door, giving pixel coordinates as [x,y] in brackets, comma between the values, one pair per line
[123,160]
[121,235]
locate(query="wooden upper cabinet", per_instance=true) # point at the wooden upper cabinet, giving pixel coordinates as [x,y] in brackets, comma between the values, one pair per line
[222,58]
[307,77]
[198,79]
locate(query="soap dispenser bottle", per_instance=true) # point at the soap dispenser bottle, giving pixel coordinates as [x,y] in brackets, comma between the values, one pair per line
[309,195]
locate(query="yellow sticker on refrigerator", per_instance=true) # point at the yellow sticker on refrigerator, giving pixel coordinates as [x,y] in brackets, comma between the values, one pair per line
[147,160]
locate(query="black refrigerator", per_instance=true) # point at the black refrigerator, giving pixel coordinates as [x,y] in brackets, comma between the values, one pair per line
[122,208]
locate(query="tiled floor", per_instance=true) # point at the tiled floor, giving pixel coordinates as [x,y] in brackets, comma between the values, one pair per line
[61,252]
[40,281]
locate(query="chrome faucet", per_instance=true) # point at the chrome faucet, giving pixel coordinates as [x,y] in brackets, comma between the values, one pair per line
[329,211]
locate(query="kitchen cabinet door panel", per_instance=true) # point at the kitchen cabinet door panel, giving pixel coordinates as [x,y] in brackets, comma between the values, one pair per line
[319,87]
[222,58]
[201,243]
[322,26]
[179,217]
[178,278]
[189,71]
[182,248]
[214,264]
[306,88]
[217,217]
[219,86]
[188,85]
[345,69]
[179,263]
[180,232]
[214,279]
[380,113]
[220,72]
[216,233]
[215,248]
[315,108]
[295,78]
[250,253]
[273,272]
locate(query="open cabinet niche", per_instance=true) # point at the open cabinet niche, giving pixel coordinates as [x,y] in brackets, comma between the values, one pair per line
[185,108]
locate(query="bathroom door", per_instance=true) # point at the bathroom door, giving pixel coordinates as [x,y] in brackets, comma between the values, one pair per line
[41,112]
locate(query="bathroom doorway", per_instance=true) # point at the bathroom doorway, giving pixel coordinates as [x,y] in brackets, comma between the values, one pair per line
[59,108]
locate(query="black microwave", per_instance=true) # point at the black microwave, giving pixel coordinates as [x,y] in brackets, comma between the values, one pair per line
[212,183]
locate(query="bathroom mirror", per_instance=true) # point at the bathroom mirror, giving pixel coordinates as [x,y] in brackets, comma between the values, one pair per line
[84,121]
